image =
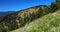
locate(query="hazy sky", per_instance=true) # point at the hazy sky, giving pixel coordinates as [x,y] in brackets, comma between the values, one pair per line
[15,5]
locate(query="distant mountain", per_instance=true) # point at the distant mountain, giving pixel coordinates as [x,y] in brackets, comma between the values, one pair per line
[5,13]
[21,18]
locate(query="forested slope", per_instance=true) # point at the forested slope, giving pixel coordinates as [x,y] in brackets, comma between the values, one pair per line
[47,23]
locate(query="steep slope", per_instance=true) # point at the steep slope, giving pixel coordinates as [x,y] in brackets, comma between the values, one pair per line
[47,23]
[20,18]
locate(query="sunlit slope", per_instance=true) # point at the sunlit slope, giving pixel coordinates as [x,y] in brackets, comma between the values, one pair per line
[19,19]
[47,23]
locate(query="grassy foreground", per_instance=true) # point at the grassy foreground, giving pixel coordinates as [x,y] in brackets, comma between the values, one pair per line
[47,23]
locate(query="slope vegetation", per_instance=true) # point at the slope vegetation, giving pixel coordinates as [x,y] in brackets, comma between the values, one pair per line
[23,17]
[19,19]
[47,23]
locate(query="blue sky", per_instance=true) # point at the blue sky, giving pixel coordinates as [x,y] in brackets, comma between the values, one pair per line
[15,5]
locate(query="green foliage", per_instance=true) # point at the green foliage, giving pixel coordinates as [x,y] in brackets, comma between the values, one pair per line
[47,23]
[14,21]
[53,7]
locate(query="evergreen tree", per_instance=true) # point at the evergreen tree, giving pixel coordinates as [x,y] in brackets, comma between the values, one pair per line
[53,7]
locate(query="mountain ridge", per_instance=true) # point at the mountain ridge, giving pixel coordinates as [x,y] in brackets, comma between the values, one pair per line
[22,17]
[6,13]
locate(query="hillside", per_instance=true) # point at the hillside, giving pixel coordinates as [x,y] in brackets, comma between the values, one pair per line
[47,23]
[19,19]
[45,17]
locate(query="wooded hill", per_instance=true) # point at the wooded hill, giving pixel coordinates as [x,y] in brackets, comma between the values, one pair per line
[21,18]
